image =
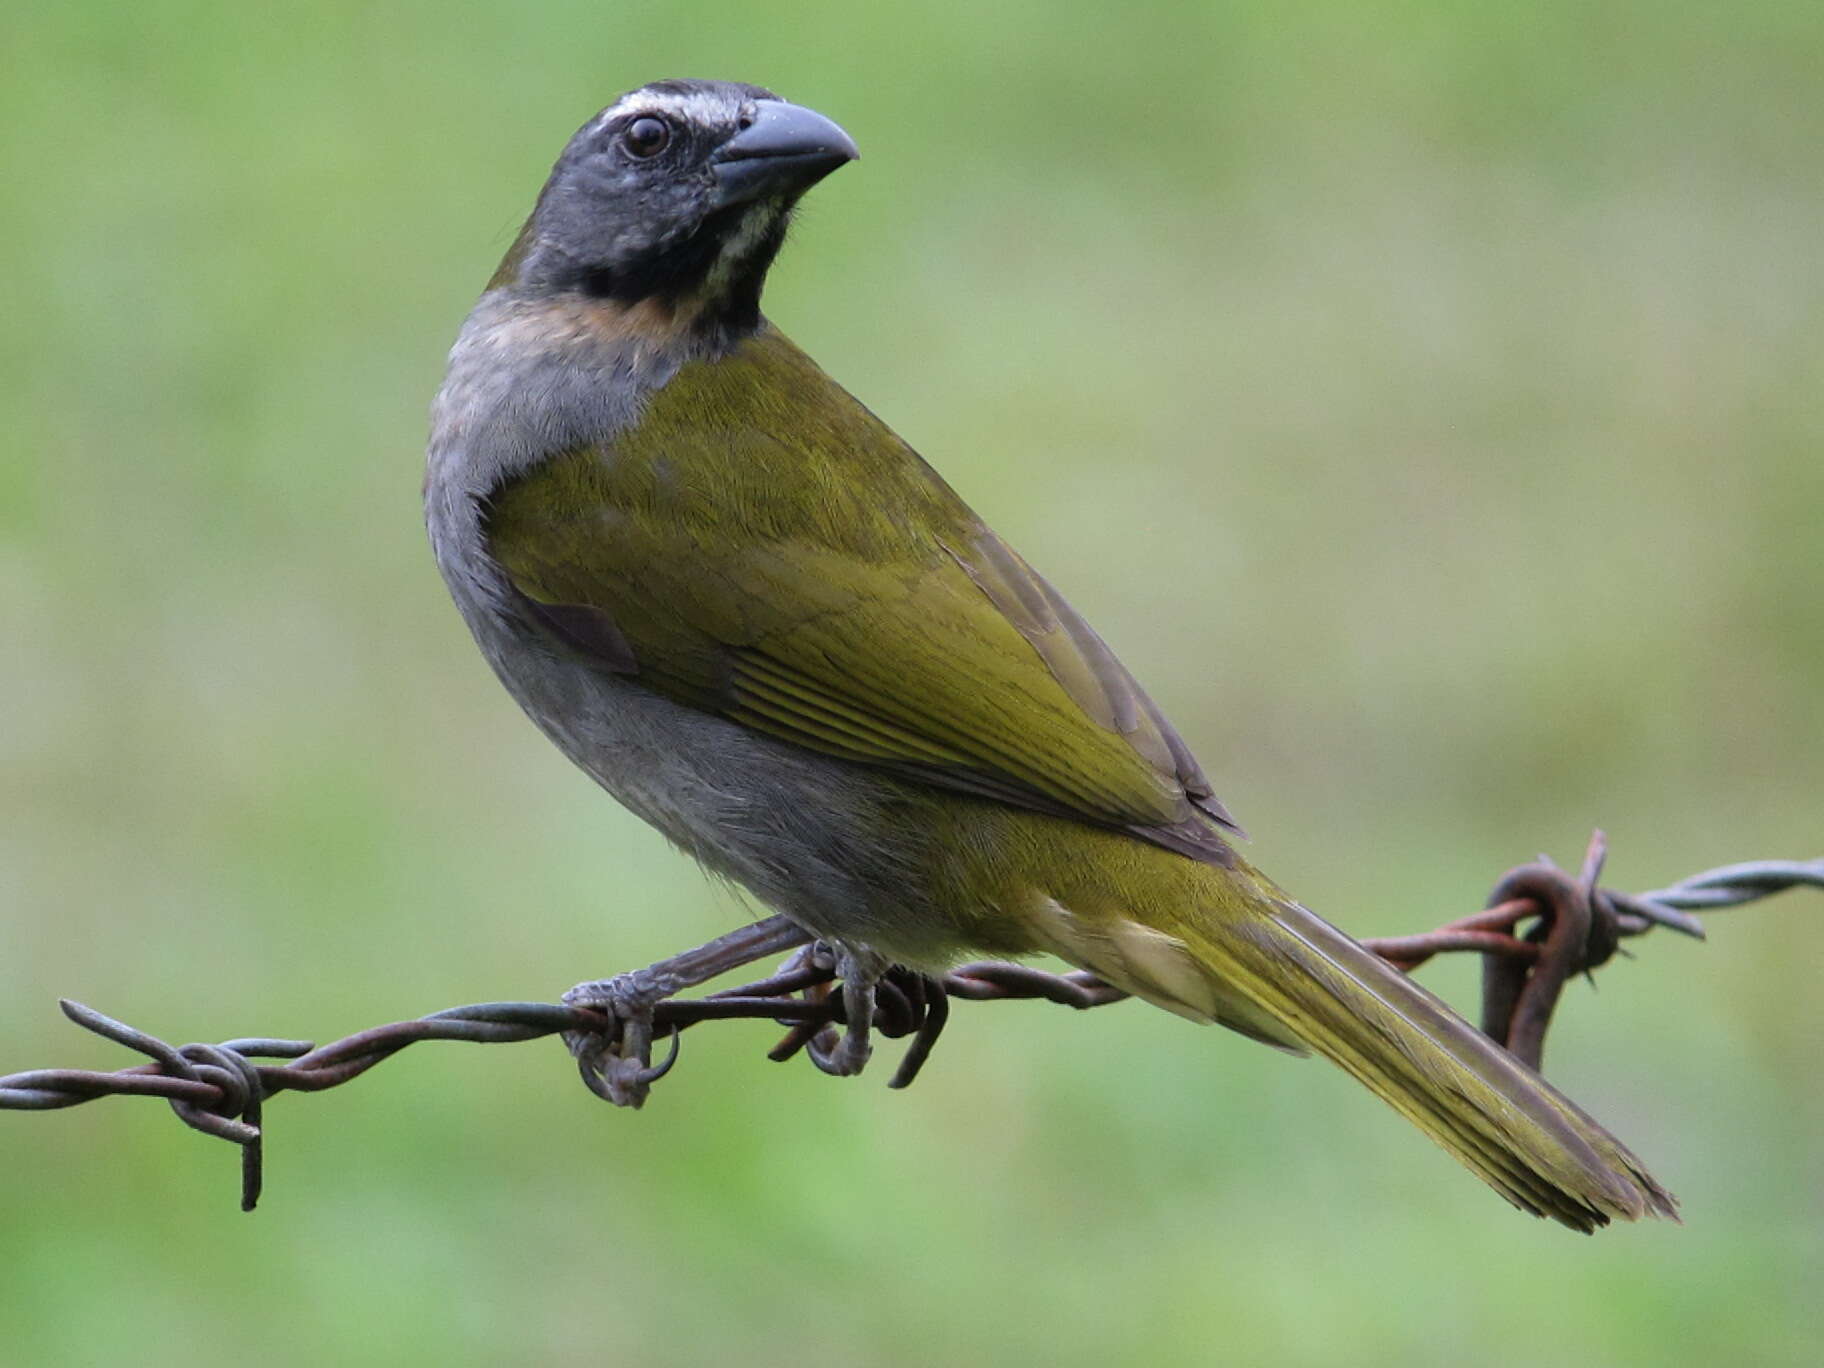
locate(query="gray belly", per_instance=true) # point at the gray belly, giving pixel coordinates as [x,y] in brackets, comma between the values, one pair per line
[841,849]
[835,846]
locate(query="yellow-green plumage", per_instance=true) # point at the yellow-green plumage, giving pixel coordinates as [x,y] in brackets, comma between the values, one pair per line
[771,553]
[1225,944]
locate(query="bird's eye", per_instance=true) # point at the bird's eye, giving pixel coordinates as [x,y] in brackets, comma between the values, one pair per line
[646,137]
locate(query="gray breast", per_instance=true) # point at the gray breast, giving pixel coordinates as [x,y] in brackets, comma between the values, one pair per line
[813,837]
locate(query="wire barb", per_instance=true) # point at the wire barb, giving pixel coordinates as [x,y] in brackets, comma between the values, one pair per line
[1571,926]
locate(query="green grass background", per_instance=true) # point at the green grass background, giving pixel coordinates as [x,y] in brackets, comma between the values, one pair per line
[1424,398]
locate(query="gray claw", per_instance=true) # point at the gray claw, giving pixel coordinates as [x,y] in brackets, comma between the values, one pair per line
[846,1054]
[616,1065]
[840,1054]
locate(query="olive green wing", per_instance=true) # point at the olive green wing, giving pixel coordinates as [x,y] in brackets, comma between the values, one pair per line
[968,671]
[828,589]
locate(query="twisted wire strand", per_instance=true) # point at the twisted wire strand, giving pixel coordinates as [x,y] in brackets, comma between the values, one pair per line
[219,1089]
[1728,886]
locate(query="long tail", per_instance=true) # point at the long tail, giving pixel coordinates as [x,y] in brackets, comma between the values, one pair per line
[1270,968]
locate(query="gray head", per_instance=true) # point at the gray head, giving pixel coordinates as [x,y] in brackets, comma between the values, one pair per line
[678,192]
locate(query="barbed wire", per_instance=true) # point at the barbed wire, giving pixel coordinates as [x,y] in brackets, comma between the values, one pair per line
[1572,926]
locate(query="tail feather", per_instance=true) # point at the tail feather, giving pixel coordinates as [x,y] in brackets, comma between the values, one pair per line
[1522,1136]
[1283,974]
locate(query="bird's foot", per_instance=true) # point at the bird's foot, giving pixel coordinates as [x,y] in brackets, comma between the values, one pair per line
[844,1054]
[616,1059]
[616,1063]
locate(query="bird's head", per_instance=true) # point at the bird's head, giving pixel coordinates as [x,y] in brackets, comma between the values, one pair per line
[677,196]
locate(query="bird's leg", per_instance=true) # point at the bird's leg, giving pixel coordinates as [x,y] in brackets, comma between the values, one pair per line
[859,971]
[616,1065]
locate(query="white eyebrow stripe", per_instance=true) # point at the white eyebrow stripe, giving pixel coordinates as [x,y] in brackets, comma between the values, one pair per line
[692,107]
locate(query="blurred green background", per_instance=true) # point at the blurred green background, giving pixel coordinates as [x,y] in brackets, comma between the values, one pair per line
[1424,398]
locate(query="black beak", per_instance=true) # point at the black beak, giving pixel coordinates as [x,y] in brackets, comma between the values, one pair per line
[785,151]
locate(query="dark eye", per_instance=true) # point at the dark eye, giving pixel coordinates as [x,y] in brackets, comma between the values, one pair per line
[646,136]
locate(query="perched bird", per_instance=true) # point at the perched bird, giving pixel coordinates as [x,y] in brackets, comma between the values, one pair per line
[754,615]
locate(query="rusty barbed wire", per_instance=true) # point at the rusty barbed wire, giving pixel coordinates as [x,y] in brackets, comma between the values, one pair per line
[1572,925]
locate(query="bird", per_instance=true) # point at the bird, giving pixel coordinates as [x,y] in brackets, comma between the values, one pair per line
[754,615]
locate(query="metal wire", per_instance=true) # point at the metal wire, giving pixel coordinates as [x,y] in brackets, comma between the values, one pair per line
[1728,886]
[1572,926]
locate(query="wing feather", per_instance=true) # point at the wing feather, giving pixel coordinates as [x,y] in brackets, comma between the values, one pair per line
[719,560]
